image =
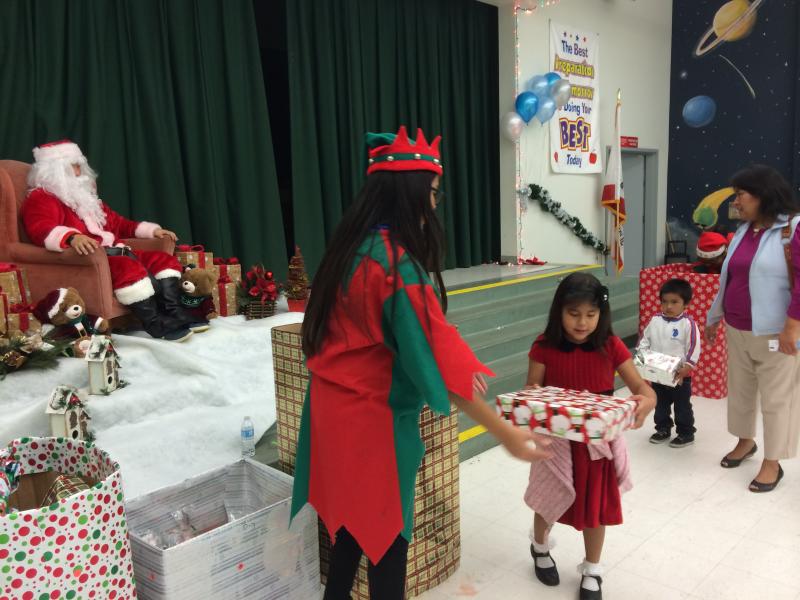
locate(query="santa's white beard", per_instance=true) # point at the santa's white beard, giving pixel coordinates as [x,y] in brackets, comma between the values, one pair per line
[77,192]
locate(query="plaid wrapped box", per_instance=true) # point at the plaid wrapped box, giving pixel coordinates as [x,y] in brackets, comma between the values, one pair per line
[14,282]
[435,552]
[194,255]
[63,487]
[577,416]
[657,367]
[225,299]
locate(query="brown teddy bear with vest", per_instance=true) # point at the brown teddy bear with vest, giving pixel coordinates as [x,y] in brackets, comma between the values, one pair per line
[66,311]
[197,285]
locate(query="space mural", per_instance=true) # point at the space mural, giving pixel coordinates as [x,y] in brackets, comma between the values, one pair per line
[735,85]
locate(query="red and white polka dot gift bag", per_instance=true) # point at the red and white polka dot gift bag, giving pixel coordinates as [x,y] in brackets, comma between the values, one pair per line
[710,379]
[75,548]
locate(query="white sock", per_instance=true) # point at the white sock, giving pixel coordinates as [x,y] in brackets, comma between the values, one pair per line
[588,568]
[543,562]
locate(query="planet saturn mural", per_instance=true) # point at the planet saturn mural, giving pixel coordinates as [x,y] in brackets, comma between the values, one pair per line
[733,21]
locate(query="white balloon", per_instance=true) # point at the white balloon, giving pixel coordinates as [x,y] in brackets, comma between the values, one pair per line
[512,126]
[560,92]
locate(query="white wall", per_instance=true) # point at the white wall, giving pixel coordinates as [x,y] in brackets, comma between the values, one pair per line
[635,41]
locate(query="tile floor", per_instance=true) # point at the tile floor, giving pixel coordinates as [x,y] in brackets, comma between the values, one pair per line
[692,529]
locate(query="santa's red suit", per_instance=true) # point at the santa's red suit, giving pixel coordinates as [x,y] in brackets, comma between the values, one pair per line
[49,222]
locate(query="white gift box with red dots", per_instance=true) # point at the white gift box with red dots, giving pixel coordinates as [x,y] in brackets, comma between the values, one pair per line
[77,547]
[569,414]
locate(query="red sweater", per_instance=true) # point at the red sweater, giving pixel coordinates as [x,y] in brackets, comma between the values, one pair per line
[578,369]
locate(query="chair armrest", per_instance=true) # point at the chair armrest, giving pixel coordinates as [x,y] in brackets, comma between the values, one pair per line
[28,253]
[151,244]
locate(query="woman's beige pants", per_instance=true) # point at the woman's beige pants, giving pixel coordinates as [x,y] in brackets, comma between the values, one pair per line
[753,372]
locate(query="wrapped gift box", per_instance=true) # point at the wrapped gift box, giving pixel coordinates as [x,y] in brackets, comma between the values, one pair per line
[435,551]
[194,255]
[577,416]
[225,299]
[224,268]
[76,547]
[253,553]
[4,305]
[19,322]
[658,368]
[14,283]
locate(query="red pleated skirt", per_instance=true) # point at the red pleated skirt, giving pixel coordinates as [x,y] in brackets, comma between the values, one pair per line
[597,497]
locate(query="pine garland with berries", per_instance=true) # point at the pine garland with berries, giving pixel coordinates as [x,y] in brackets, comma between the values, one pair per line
[547,204]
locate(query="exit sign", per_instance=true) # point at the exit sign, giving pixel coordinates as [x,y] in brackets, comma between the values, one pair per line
[629,141]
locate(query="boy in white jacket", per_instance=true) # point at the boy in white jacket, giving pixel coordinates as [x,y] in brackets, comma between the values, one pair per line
[675,333]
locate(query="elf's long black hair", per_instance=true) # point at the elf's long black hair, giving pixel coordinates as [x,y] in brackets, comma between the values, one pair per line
[400,201]
[575,289]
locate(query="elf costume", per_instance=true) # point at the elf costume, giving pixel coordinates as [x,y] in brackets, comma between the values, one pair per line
[388,352]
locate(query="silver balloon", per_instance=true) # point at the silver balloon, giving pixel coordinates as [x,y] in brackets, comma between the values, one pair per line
[561,91]
[512,126]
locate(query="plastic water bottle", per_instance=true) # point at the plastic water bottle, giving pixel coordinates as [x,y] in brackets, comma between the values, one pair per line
[248,438]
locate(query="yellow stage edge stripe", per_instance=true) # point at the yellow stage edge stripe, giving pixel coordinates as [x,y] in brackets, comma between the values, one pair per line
[489,286]
[470,433]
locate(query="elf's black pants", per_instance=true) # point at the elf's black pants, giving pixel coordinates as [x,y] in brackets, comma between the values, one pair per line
[387,579]
[680,399]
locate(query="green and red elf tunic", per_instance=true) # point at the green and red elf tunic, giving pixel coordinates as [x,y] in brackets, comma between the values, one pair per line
[389,352]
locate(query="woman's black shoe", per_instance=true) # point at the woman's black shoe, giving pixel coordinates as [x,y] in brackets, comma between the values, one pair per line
[732,463]
[760,488]
[591,594]
[547,575]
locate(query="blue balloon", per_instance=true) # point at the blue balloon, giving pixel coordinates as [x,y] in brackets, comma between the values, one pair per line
[526,105]
[551,78]
[547,108]
[539,86]
[699,111]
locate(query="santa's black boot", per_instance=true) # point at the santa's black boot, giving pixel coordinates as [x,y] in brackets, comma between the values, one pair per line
[157,325]
[168,291]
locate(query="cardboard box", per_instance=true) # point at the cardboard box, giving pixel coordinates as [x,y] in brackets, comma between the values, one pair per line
[577,416]
[435,551]
[658,367]
[256,555]
[77,547]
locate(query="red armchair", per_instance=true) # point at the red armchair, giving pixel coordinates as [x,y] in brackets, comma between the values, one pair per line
[48,270]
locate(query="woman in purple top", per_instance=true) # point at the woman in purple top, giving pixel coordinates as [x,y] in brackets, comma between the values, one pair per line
[759,299]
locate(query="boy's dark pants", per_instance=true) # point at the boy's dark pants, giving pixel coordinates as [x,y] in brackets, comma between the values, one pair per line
[681,398]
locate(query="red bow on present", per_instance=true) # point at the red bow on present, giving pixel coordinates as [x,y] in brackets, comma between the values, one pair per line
[223,280]
[8,267]
[190,248]
[20,307]
[226,261]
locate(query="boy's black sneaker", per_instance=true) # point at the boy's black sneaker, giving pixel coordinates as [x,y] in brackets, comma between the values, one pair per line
[681,441]
[659,437]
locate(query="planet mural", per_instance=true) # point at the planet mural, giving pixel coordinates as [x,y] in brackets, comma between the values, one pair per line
[699,111]
[733,21]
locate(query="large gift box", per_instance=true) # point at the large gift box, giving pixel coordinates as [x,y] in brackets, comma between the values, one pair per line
[196,255]
[76,547]
[435,550]
[710,377]
[17,318]
[14,283]
[225,534]
[228,267]
[577,416]
[657,367]
[225,297]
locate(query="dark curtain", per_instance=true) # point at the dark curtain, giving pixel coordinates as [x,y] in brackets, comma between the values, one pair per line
[372,65]
[166,99]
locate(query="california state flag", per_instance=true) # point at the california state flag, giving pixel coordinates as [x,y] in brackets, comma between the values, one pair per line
[614,197]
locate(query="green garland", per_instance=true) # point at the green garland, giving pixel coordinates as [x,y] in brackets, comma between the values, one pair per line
[547,204]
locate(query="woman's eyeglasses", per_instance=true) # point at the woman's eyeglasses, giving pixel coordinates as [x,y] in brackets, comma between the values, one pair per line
[438,195]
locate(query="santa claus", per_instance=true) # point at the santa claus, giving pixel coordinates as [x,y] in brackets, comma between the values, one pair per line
[62,210]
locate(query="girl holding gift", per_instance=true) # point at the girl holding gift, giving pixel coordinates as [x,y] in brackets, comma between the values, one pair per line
[378,349]
[580,486]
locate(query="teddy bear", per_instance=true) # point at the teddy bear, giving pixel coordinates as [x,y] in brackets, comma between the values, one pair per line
[66,311]
[196,288]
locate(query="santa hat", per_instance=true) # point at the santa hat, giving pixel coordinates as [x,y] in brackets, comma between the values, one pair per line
[60,150]
[711,245]
[48,307]
[395,152]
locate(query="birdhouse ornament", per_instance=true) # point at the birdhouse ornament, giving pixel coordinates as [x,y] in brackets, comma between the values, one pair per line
[103,362]
[68,415]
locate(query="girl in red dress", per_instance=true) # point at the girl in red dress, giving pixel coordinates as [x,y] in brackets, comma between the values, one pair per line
[580,486]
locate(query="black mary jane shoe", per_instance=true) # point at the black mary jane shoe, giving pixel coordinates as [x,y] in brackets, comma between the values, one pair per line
[759,488]
[548,575]
[732,463]
[591,594]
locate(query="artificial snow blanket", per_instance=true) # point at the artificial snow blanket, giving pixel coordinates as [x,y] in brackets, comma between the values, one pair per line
[181,412]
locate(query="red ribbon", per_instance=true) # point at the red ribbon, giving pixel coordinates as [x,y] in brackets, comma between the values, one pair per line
[223,296]
[223,279]
[11,268]
[23,310]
